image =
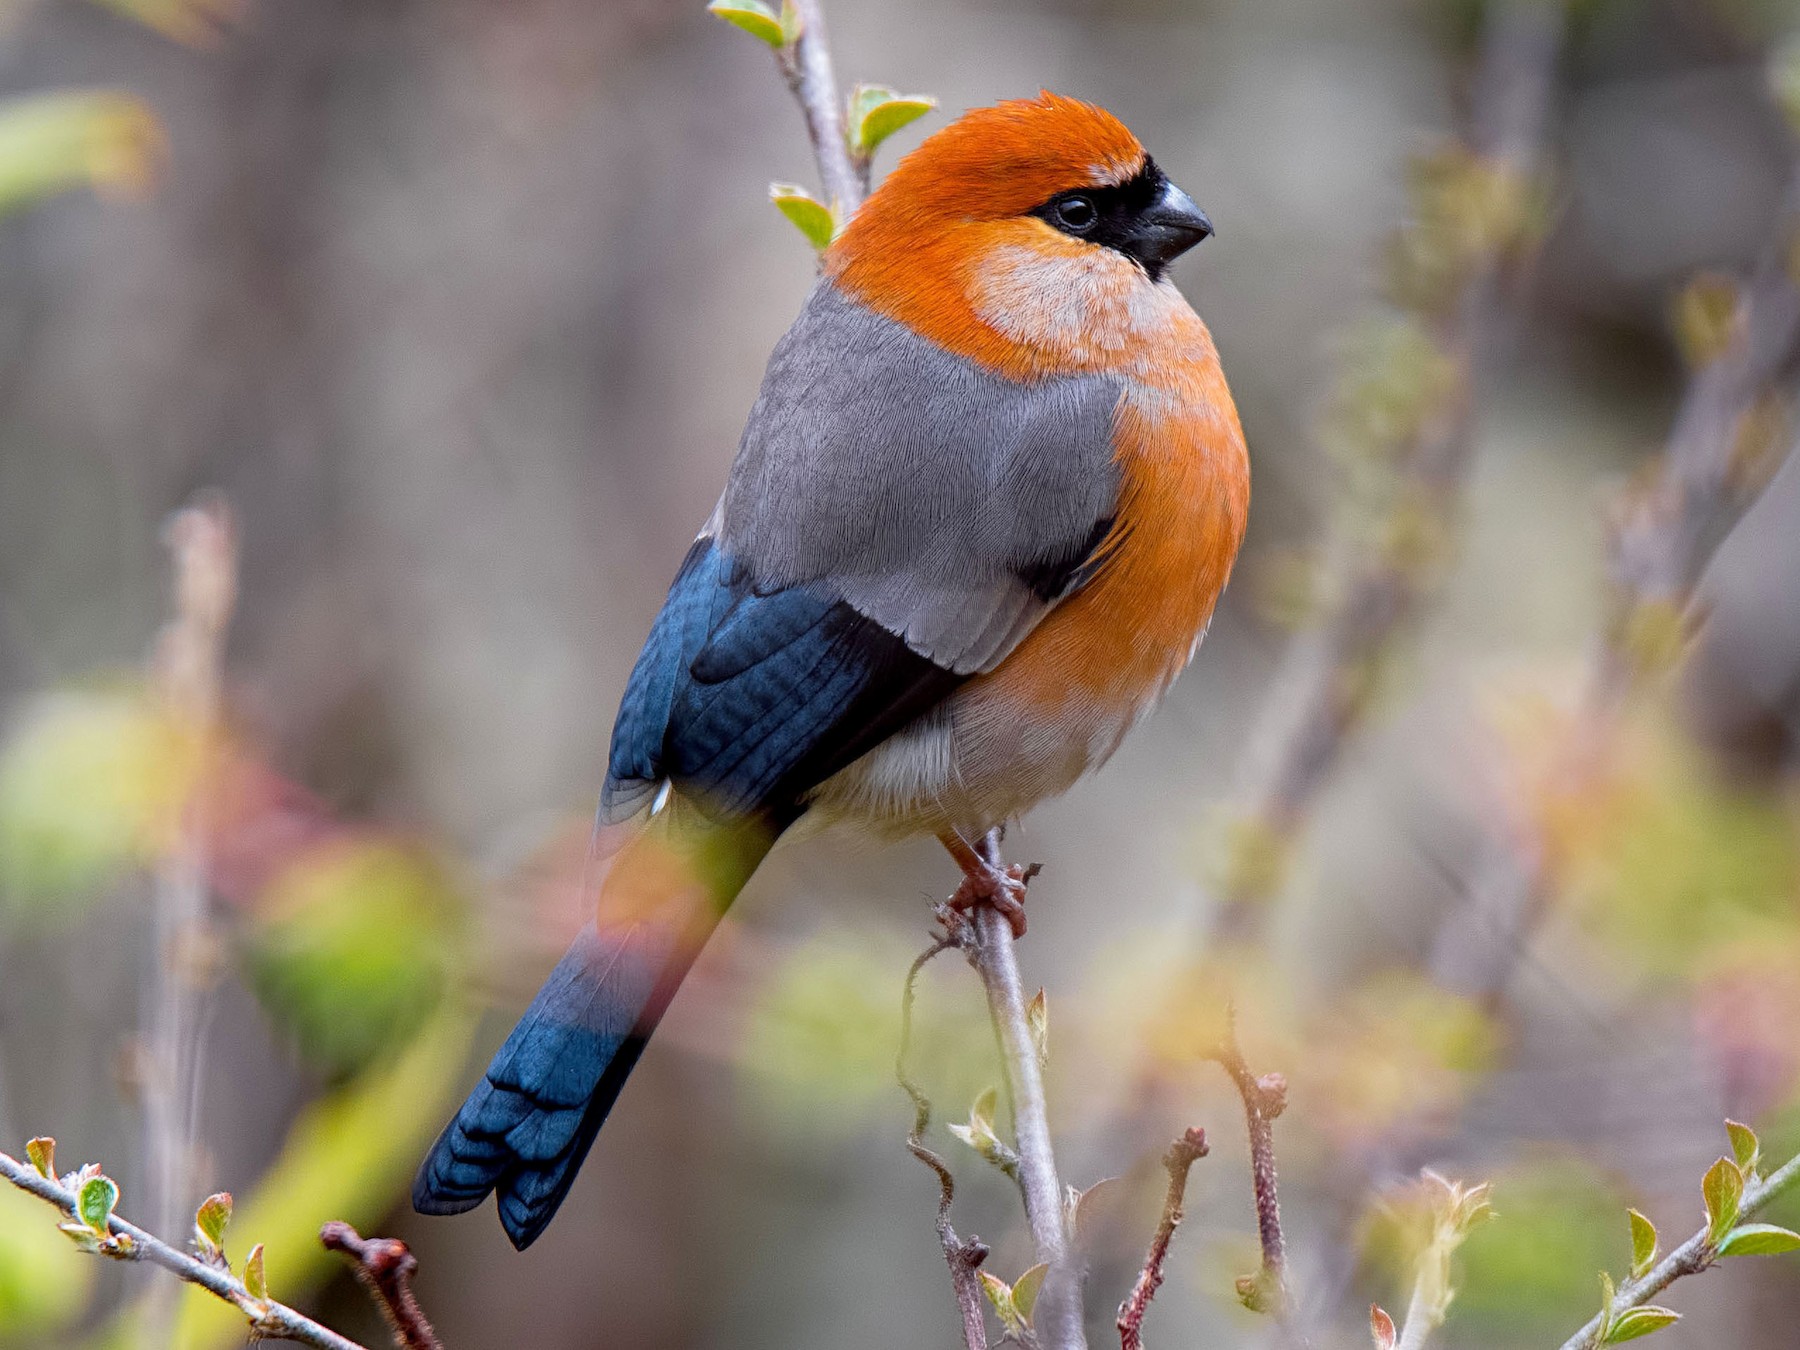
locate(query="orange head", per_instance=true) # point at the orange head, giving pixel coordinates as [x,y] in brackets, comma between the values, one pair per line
[1013,222]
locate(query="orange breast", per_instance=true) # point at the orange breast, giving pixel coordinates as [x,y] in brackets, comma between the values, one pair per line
[1028,303]
[1185,499]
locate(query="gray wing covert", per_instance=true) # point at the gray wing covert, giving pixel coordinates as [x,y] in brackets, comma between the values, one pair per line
[950,505]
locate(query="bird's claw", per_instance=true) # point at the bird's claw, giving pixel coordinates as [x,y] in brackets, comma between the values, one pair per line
[1001,887]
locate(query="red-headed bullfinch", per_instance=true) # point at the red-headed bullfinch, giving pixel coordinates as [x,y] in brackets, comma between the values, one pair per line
[984,505]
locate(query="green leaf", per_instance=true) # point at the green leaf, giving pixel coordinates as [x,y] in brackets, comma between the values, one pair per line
[1607,1295]
[1628,1326]
[1026,1288]
[1745,1145]
[1000,1294]
[1643,1244]
[754,17]
[1723,1188]
[42,1153]
[255,1282]
[985,1107]
[809,215]
[979,1132]
[792,25]
[210,1220]
[95,1201]
[877,112]
[1759,1239]
[1381,1328]
[81,1235]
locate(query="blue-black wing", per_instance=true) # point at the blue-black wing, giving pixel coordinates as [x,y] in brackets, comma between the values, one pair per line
[744,698]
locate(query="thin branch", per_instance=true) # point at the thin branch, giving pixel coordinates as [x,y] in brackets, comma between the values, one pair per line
[1420,1323]
[1179,1160]
[385,1267]
[267,1317]
[1319,688]
[806,65]
[1058,1318]
[1264,1099]
[964,1257]
[1662,540]
[188,676]
[1690,1258]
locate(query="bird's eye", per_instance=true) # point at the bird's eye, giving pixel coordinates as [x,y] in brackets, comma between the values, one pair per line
[1077,213]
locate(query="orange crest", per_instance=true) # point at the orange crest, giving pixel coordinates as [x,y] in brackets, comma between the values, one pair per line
[1003,161]
[916,249]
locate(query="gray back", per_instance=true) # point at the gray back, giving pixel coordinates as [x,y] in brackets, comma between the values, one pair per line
[928,493]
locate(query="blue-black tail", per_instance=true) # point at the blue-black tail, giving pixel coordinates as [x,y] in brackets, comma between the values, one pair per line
[525,1130]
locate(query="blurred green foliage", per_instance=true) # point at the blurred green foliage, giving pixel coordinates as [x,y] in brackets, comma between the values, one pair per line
[1674,863]
[44,1283]
[90,782]
[51,142]
[348,1156]
[354,948]
[821,1035]
[1392,1058]
[1529,1278]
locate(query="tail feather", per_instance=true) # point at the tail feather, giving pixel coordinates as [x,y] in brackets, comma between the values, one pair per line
[526,1128]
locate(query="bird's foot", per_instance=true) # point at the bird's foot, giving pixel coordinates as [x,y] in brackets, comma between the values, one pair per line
[1002,887]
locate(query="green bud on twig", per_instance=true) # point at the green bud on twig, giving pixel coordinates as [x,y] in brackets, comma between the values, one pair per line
[1643,1244]
[754,17]
[209,1226]
[817,221]
[877,112]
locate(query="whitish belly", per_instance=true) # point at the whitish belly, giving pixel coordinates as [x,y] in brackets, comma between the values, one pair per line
[972,763]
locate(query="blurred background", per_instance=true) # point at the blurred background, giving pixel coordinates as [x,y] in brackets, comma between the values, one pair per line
[366,368]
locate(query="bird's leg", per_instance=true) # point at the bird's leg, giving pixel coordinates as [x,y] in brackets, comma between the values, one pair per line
[987,879]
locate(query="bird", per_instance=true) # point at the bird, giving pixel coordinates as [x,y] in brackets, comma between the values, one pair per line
[982,511]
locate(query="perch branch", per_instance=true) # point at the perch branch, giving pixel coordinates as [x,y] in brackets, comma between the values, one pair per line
[267,1317]
[1059,1315]
[385,1267]
[964,1257]
[806,65]
[1691,1257]
[1179,1161]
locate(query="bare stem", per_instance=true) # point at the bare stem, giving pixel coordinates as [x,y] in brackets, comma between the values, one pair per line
[1691,1257]
[1264,1099]
[1420,1321]
[188,669]
[385,1267]
[1179,1160]
[807,67]
[267,1317]
[963,1256]
[1058,1319]
[1318,690]
[1662,540]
